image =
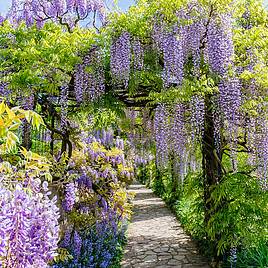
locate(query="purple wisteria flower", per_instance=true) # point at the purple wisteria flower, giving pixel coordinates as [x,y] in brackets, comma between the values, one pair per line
[121,59]
[70,196]
[138,55]
[178,129]
[77,243]
[197,116]
[161,135]
[29,226]
[220,48]
[89,77]
[173,59]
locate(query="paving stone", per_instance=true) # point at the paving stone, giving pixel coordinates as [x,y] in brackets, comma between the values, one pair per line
[179,257]
[174,263]
[164,257]
[164,254]
[155,237]
[150,258]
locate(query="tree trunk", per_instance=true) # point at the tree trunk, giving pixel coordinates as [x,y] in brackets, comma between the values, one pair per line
[211,164]
[66,145]
[52,135]
[26,135]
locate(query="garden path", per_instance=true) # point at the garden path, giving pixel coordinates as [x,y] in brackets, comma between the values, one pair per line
[155,237]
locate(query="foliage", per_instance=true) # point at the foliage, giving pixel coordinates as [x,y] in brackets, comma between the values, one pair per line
[10,121]
[190,207]
[239,213]
[40,59]
[254,256]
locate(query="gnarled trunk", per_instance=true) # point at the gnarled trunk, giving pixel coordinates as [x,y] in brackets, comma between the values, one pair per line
[211,164]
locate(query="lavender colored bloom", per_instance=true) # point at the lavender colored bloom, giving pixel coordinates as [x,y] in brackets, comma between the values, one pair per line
[197,116]
[84,180]
[70,196]
[26,14]
[4,91]
[70,5]
[161,135]
[230,100]
[82,7]
[217,123]
[262,145]
[220,48]
[119,143]
[178,128]
[29,223]
[77,244]
[78,85]
[104,205]
[28,102]
[121,59]
[173,59]
[59,6]
[2,19]
[89,78]
[138,52]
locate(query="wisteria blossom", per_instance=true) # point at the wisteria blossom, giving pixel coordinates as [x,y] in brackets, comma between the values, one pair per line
[29,227]
[121,59]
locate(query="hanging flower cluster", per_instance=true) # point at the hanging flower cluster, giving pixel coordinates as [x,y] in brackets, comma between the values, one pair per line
[263,155]
[170,44]
[133,138]
[258,143]
[220,48]
[70,195]
[138,55]
[29,229]
[230,101]
[79,87]
[2,19]
[4,91]
[192,32]
[178,129]
[217,123]
[173,59]
[161,125]
[179,139]
[105,137]
[89,78]
[220,54]
[197,116]
[121,59]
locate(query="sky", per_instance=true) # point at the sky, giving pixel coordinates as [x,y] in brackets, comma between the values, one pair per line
[123,4]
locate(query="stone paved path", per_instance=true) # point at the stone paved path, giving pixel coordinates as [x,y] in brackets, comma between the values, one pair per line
[155,237]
